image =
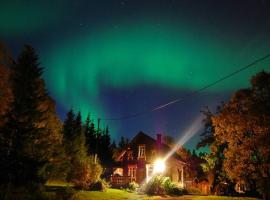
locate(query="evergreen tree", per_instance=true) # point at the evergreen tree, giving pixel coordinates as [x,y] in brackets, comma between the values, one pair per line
[74,141]
[105,151]
[5,86]
[90,134]
[123,143]
[25,142]
[68,126]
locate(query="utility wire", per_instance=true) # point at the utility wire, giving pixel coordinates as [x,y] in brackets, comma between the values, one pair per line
[134,115]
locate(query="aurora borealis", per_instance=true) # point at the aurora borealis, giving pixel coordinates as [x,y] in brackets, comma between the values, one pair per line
[114,58]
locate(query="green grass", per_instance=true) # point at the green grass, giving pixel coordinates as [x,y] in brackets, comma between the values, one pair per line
[115,194]
[221,198]
[59,183]
[110,194]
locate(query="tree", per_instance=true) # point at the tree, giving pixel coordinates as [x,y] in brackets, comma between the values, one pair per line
[26,138]
[123,143]
[6,62]
[244,125]
[213,161]
[90,135]
[105,151]
[82,170]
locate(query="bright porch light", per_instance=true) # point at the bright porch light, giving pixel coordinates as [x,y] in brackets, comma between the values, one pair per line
[159,166]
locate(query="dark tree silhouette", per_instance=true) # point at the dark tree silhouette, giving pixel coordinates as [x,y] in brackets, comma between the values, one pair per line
[26,141]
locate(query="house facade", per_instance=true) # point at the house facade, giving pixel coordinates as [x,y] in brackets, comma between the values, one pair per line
[138,161]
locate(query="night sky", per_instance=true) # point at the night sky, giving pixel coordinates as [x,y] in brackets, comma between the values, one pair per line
[115,58]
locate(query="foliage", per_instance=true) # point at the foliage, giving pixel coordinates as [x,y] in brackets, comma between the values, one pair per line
[30,133]
[123,143]
[133,186]
[244,125]
[213,161]
[171,188]
[5,85]
[100,185]
[98,142]
[159,185]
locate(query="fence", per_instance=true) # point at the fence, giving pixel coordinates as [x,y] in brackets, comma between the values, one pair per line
[120,181]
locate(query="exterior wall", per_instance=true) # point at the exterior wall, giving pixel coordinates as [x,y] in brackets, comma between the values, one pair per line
[132,156]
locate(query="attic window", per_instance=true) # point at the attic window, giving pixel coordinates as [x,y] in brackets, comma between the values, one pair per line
[129,155]
[141,153]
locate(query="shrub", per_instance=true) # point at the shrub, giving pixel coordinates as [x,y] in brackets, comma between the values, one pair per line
[171,188]
[99,185]
[160,185]
[133,186]
[86,173]
[154,186]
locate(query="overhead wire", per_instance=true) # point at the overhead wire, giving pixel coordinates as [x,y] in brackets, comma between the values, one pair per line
[163,106]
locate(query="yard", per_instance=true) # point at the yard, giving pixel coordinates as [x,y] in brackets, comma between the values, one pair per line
[115,194]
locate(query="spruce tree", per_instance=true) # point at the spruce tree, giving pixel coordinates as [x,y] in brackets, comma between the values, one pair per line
[90,134]
[25,133]
[105,151]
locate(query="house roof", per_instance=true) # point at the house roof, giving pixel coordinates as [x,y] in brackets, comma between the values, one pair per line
[143,138]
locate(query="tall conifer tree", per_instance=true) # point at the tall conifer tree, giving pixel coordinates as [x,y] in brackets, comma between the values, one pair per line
[26,134]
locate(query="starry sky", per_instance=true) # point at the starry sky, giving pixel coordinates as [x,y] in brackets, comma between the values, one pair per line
[115,58]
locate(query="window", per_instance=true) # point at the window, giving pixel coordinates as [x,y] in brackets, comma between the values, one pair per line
[129,155]
[118,171]
[132,172]
[141,153]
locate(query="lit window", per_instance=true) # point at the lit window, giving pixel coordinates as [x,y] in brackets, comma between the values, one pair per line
[132,171]
[141,153]
[129,155]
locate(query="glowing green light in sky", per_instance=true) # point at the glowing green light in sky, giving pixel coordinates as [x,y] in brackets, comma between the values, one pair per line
[143,54]
[24,17]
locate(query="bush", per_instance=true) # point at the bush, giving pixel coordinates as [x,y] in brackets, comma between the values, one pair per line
[100,185]
[133,186]
[154,186]
[160,185]
[171,188]
[86,173]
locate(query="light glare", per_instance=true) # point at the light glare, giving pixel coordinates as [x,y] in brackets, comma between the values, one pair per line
[159,166]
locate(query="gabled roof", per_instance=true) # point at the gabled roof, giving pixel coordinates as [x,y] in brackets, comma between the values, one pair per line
[143,138]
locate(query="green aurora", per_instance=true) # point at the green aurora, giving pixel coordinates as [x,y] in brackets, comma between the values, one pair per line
[141,53]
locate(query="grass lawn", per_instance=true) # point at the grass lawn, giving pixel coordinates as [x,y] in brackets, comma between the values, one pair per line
[115,194]
[110,194]
[221,198]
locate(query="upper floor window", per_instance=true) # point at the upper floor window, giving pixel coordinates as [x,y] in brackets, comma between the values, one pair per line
[129,155]
[141,152]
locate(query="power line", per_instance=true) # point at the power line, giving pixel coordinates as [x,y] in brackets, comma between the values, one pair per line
[188,95]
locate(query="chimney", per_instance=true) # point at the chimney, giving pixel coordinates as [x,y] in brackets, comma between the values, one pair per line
[158,143]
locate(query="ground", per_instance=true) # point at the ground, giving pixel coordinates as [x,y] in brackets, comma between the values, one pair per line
[114,194]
